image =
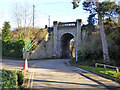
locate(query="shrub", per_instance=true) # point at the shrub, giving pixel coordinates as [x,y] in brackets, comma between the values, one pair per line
[114,46]
[9,79]
[92,48]
[13,48]
[20,78]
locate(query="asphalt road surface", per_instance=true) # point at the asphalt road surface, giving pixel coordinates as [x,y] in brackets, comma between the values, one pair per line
[55,73]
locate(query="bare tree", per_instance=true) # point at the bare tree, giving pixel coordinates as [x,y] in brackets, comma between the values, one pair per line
[22,15]
[17,15]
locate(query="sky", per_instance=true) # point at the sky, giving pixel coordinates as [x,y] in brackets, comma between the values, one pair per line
[58,10]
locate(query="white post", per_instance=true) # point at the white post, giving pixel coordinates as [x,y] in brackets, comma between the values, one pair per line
[78,39]
[55,23]
[77,45]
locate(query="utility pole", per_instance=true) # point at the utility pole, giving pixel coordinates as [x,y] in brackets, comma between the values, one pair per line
[48,20]
[33,14]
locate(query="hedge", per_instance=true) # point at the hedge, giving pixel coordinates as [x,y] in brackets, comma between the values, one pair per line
[11,79]
[12,48]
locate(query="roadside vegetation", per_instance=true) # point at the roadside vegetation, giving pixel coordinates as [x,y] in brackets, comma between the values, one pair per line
[101,42]
[109,72]
[91,66]
[11,79]
[14,41]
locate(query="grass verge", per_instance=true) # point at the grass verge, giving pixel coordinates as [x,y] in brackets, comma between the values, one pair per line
[11,58]
[107,72]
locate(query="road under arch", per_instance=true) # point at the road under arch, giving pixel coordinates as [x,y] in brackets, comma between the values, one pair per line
[65,45]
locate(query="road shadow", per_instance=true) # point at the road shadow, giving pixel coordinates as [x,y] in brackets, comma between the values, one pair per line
[58,65]
[92,85]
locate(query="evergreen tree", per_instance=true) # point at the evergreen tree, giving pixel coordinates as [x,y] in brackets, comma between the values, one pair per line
[101,9]
[90,25]
[6,33]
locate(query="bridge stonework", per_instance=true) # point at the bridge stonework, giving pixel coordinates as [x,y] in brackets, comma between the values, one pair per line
[58,44]
[62,28]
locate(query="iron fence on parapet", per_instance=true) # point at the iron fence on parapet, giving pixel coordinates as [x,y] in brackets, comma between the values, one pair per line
[67,24]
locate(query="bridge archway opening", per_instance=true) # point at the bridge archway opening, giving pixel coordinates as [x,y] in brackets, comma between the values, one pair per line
[67,46]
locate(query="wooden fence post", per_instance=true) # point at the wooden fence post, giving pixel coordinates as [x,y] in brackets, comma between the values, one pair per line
[104,68]
[117,70]
[96,65]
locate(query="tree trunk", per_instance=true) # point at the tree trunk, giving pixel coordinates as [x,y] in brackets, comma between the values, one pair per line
[86,34]
[104,41]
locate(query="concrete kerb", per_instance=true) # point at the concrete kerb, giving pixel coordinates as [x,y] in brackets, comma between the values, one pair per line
[99,74]
[30,81]
[29,78]
[67,62]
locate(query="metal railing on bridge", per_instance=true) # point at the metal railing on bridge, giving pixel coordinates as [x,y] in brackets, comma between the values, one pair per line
[66,24]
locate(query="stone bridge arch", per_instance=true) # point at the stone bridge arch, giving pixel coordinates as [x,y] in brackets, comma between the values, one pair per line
[65,45]
[63,32]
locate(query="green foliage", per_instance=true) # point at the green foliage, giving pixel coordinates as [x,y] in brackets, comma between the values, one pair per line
[114,46]
[13,48]
[75,5]
[12,45]
[72,61]
[29,34]
[90,26]
[110,25]
[20,78]
[104,8]
[118,9]
[9,79]
[92,48]
[109,72]
[6,34]
[107,8]
[113,35]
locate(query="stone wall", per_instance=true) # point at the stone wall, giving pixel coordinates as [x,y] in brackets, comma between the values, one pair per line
[44,49]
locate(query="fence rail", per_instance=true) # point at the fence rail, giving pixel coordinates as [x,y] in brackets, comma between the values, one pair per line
[105,66]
